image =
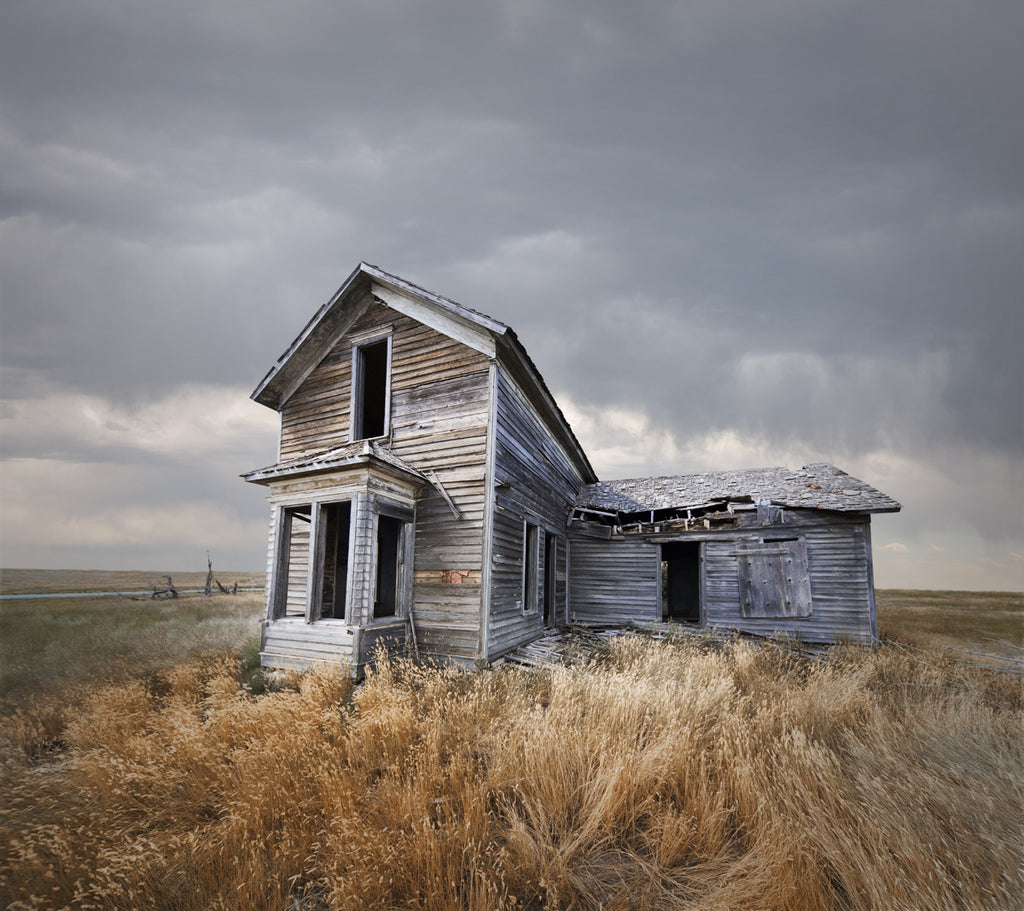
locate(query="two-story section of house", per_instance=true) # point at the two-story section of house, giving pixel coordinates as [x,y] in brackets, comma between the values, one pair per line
[424,480]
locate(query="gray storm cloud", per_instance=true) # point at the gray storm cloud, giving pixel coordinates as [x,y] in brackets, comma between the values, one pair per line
[793,225]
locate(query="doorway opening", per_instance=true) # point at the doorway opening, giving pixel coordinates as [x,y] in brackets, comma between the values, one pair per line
[680,581]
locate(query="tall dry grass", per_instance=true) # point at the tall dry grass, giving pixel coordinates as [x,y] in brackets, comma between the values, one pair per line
[667,775]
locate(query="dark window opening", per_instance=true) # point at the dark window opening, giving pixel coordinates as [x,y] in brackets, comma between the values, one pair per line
[530,558]
[550,577]
[337,520]
[293,571]
[680,574]
[370,412]
[389,536]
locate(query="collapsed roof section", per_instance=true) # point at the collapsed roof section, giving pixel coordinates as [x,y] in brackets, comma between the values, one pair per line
[816,486]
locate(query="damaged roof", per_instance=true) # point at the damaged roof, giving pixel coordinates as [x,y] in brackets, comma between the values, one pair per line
[362,452]
[816,486]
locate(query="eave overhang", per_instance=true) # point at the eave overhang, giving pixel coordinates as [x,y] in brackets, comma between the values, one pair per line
[367,284]
[343,458]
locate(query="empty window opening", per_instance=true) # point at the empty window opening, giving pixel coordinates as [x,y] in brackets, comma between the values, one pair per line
[293,563]
[337,519]
[550,577]
[680,581]
[370,384]
[389,552]
[530,560]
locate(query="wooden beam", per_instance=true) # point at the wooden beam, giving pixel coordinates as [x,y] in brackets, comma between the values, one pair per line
[436,482]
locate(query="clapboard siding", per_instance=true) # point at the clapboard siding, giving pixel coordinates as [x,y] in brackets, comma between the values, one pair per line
[535,481]
[618,579]
[838,566]
[362,570]
[295,643]
[439,411]
[615,580]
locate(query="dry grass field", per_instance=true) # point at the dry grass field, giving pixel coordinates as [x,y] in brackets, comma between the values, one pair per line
[987,621]
[50,644]
[56,581]
[680,773]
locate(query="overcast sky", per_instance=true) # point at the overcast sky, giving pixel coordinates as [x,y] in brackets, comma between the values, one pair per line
[730,234]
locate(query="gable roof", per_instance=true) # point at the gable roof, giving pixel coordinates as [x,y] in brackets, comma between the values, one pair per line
[816,486]
[369,283]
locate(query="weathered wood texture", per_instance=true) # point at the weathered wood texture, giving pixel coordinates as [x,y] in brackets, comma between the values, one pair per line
[842,607]
[534,481]
[615,580]
[387,637]
[293,643]
[826,596]
[439,414]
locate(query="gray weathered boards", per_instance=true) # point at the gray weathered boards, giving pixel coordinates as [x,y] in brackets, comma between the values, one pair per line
[429,489]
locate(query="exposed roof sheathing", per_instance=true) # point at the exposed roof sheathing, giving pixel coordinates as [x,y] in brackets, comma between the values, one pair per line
[816,486]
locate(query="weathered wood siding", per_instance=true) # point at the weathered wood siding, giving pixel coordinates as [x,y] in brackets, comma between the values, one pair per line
[617,579]
[535,481]
[293,643]
[439,415]
[613,580]
[268,586]
[842,606]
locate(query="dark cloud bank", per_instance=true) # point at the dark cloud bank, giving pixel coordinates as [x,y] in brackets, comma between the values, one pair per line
[793,227]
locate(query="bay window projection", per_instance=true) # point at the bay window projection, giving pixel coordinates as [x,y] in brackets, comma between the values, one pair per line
[295,555]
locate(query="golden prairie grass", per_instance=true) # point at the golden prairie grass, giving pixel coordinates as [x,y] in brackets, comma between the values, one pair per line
[50,645]
[668,774]
[986,621]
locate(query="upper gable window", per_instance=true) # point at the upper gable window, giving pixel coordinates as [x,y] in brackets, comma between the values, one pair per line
[371,389]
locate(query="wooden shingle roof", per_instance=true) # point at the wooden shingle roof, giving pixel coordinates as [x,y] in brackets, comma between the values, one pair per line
[816,486]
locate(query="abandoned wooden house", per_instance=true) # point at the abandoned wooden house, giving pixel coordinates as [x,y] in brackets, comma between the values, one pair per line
[429,486]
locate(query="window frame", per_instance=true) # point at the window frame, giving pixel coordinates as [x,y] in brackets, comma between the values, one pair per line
[530,572]
[358,386]
[549,589]
[284,539]
[403,571]
[311,512]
